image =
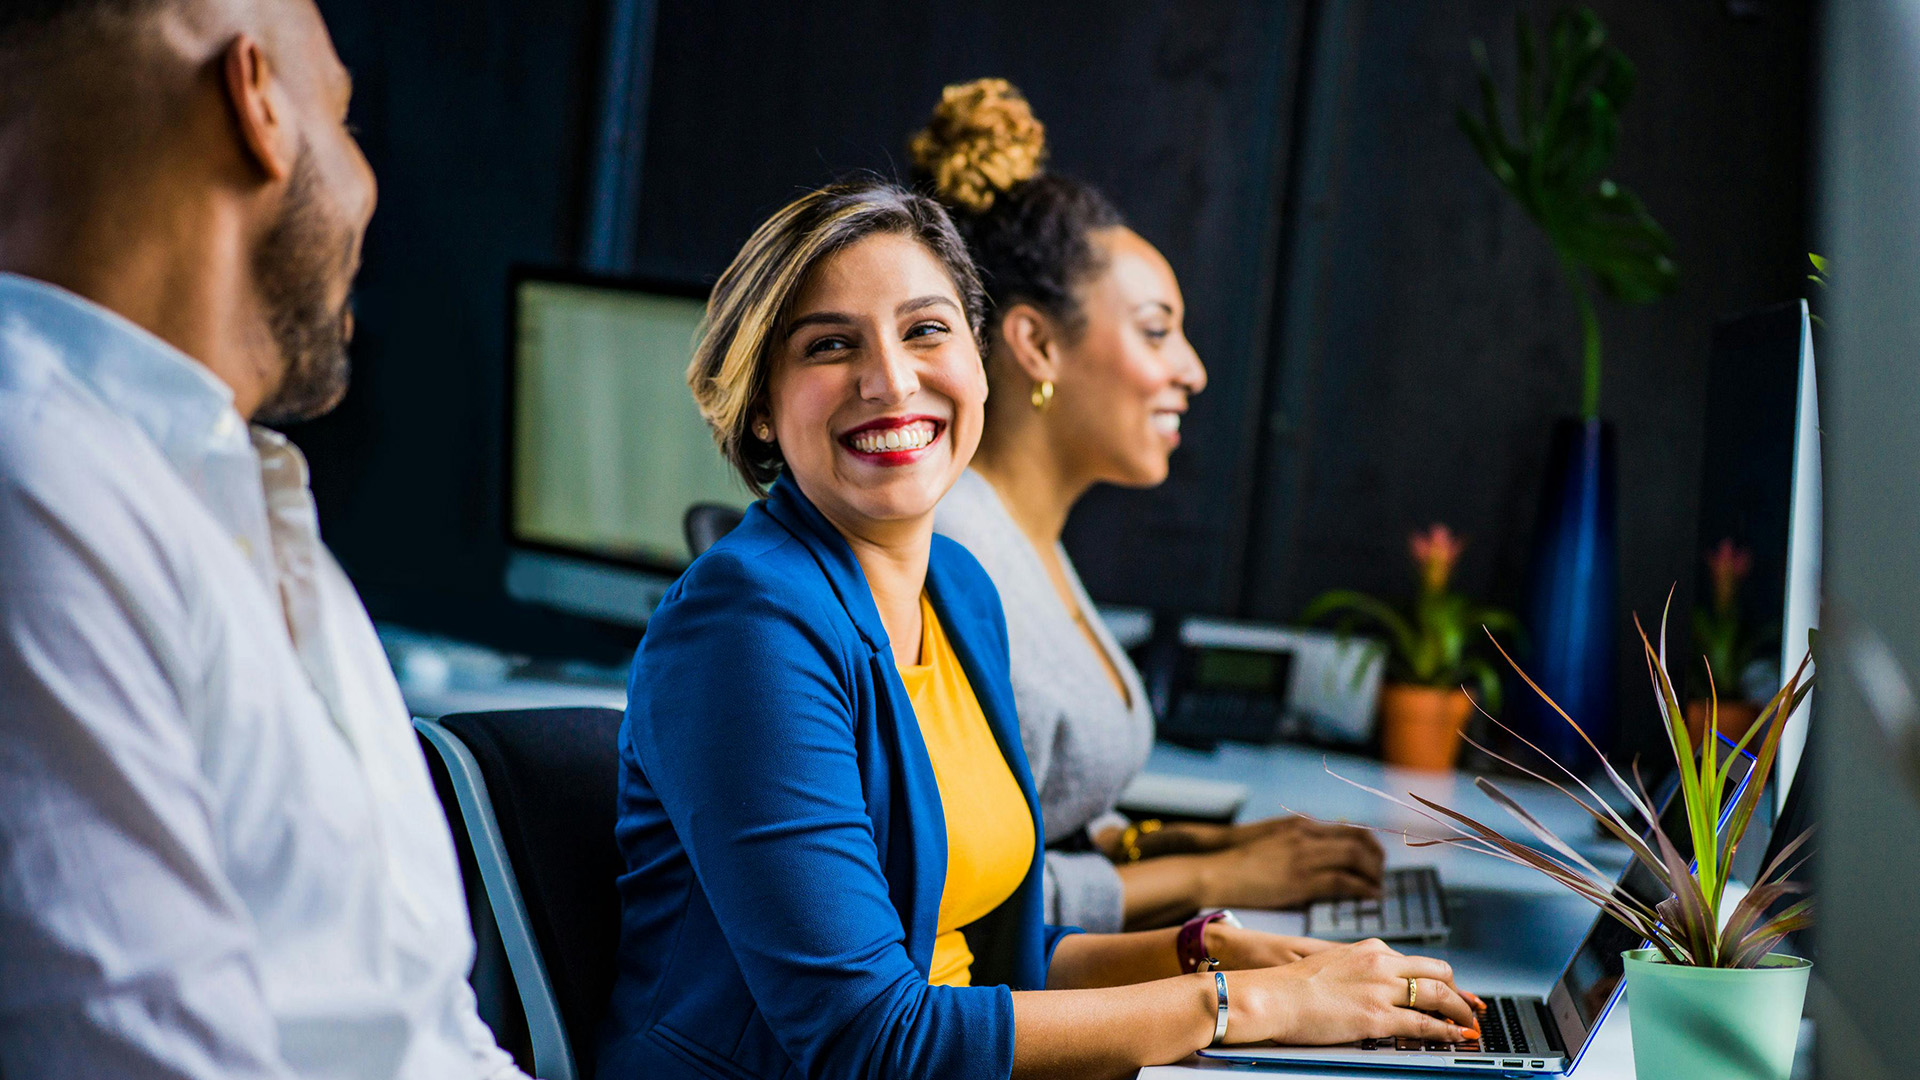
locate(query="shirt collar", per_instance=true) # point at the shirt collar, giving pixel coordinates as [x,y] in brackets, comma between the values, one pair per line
[174,399]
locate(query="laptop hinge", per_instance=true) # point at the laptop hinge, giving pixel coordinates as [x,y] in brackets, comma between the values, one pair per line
[1548,1028]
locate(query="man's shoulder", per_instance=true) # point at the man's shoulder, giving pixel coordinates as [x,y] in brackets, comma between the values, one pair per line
[78,482]
[51,427]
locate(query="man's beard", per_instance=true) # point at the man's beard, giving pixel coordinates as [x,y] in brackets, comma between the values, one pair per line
[296,267]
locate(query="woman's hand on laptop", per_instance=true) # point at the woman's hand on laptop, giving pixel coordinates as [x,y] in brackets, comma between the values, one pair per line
[1349,992]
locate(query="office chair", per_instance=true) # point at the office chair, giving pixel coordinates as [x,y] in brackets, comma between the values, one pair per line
[706,523]
[535,795]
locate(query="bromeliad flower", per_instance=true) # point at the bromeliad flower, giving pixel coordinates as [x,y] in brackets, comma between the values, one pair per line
[1429,643]
[1728,565]
[1435,551]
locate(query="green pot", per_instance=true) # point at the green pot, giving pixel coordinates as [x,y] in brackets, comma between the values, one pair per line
[1694,1023]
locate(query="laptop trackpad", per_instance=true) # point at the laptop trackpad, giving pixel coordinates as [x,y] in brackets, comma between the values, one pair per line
[1290,923]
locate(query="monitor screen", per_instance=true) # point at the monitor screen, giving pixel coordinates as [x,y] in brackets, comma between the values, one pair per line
[1758,546]
[607,447]
[1246,670]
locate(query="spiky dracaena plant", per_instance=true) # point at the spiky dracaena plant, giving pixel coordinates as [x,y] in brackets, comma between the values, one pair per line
[1685,926]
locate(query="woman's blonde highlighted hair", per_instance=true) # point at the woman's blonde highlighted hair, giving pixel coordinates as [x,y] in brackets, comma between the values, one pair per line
[747,313]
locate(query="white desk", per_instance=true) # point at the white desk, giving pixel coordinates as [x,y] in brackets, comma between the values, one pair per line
[1513,929]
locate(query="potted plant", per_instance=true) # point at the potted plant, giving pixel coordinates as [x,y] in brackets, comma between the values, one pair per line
[1423,710]
[1568,93]
[1710,997]
[1728,647]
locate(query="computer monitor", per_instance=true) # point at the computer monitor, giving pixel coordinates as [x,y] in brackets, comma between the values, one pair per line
[606,449]
[1760,504]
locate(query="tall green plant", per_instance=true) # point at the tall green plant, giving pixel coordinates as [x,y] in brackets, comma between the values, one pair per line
[1567,120]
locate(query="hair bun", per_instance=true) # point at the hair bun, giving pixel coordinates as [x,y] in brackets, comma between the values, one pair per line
[981,142]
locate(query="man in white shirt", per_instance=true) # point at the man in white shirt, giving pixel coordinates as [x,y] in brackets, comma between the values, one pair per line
[220,851]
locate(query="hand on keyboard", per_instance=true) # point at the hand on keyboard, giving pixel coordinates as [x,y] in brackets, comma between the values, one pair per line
[1348,993]
[1290,862]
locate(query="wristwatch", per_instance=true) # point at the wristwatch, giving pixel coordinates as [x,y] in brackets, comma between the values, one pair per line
[1191,942]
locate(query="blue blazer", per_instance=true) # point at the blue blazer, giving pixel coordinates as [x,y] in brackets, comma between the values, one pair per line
[782,830]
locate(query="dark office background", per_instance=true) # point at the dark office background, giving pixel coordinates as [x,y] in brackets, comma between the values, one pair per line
[1386,334]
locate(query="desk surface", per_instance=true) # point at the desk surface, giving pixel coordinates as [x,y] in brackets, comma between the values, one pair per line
[1513,929]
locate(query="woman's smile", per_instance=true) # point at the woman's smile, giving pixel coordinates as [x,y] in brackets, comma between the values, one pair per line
[1167,423]
[891,441]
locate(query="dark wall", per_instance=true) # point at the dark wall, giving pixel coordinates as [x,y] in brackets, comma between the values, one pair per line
[478,121]
[475,115]
[1425,341]
[1180,112]
[1386,335]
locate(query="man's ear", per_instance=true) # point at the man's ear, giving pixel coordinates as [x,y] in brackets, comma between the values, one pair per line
[1032,340]
[261,110]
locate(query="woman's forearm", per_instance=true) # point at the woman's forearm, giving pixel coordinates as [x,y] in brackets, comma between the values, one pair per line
[1084,961]
[1162,891]
[1114,1031]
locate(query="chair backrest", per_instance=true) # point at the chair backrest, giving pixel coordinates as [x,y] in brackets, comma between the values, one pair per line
[552,777]
[706,523]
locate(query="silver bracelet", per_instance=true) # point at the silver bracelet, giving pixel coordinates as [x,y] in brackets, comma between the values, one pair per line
[1220,994]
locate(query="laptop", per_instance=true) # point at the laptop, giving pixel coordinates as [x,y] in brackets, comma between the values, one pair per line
[1520,1034]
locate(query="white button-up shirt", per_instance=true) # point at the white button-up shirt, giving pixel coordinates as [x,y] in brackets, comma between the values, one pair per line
[221,854]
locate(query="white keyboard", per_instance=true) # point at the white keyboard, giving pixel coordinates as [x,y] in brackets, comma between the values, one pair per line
[1411,907]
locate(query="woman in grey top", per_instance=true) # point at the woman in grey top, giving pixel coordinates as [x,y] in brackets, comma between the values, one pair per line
[1090,373]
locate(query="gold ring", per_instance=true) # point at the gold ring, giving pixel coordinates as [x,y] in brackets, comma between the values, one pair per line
[1413,992]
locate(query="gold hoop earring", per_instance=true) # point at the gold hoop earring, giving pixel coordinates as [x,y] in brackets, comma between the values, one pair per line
[1043,395]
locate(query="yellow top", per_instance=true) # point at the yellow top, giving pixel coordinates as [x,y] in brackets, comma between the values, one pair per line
[989,827]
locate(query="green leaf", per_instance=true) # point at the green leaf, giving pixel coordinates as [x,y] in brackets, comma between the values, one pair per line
[1366,607]
[1489,680]
[1567,101]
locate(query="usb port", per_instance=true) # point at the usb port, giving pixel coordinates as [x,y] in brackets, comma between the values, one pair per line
[1513,1064]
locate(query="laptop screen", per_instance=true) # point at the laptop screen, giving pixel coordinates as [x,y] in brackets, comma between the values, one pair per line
[1592,977]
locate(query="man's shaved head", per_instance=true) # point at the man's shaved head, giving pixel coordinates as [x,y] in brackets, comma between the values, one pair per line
[195,155]
[39,15]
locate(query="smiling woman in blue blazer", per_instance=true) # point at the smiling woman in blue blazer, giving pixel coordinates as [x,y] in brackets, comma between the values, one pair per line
[830,832]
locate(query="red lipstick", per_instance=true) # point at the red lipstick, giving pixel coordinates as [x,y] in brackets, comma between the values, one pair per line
[894,440]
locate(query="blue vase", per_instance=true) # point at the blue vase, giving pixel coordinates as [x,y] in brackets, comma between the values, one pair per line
[1572,598]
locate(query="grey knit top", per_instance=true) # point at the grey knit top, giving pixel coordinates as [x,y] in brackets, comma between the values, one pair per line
[1083,741]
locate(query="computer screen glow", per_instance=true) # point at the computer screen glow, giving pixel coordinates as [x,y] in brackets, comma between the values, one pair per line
[608,447]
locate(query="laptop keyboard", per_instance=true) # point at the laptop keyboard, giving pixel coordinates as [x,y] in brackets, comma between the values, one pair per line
[1500,1028]
[1410,907]
[1500,1033]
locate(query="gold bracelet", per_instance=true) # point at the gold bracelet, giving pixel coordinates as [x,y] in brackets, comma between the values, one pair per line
[1130,838]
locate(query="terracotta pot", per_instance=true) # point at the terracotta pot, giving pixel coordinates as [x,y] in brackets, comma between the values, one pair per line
[1420,726]
[1735,718]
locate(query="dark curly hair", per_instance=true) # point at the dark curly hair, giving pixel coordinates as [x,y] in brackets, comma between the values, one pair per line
[1028,229]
